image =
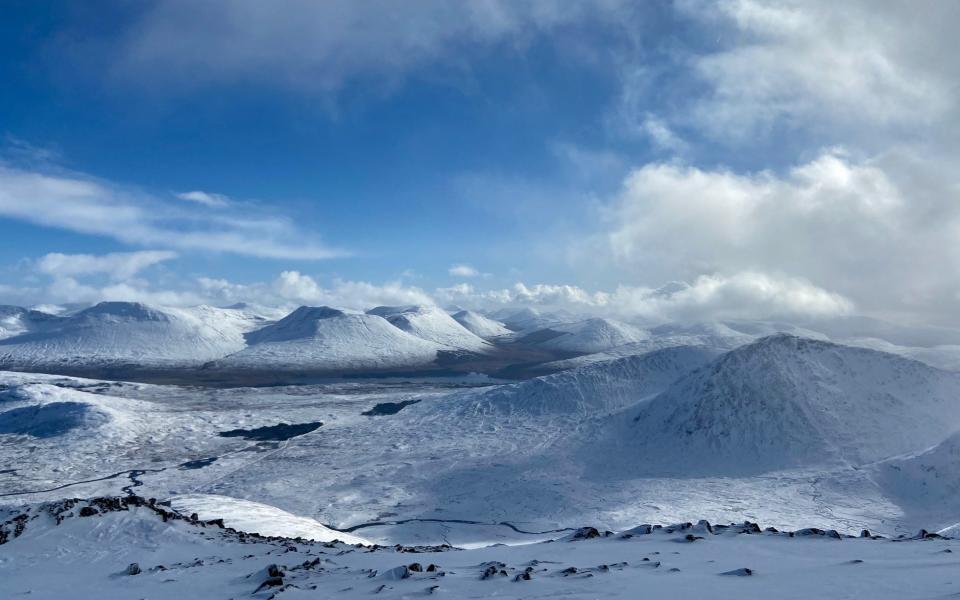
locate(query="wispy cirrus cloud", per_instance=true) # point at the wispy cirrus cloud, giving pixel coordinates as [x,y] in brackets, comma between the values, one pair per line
[317,47]
[205,198]
[84,204]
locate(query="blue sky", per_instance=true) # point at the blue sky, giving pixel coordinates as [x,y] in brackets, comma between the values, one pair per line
[581,154]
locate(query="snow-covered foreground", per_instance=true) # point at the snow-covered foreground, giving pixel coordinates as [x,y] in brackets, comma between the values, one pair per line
[786,431]
[130,549]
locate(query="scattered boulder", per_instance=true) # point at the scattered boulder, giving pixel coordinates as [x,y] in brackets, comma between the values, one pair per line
[494,569]
[744,572]
[133,569]
[401,572]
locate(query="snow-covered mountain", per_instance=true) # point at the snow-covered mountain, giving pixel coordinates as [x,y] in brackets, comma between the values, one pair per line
[590,391]
[124,333]
[480,325]
[927,482]
[15,320]
[530,319]
[784,402]
[433,324]
[941,357]
[324,338]
[589,336]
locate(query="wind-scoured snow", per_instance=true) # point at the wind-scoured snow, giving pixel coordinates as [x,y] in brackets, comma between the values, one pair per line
[324,338]
[787,402]
[432,324]
[480,325]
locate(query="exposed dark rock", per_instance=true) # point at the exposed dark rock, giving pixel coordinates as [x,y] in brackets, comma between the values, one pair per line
[273,433]
[388,408]
[133,569]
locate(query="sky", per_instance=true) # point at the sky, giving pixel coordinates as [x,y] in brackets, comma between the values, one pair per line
[684,160]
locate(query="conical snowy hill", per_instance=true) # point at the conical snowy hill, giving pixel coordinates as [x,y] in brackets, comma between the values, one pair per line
[324,338]
[594,335]
[784,402]
[590,391]
[432,324]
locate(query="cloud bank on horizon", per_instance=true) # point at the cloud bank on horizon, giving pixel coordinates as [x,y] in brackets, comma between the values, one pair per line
[731,159]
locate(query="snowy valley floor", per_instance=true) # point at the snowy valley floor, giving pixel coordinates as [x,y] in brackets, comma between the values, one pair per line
[438,470]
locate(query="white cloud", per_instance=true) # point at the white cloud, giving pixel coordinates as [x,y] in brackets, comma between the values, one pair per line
[850,226]
[80,203]
[69,290]
[303,289]
[205,198]
[746,295]
[318,46]
[118,265]
[819,64]
[462,270]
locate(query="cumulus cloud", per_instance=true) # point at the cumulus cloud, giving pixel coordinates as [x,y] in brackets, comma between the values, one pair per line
[205,198]
[746,295]
[118,265]
[297,287]
[83,204]
[849,226]
[463,271]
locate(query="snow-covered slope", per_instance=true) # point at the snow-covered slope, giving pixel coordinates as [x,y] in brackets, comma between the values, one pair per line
[941,357]
[530,319]
[592,335]
[254,517]
[324,338]
[121,548]
[590,391]
[15,320]
[124,333]
[927,482]
[792,402]
[432,324]
[61,416]
[716,334]
[480,325]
